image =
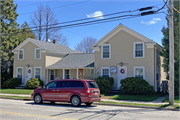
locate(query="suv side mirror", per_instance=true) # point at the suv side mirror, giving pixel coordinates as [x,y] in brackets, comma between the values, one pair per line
[44,87]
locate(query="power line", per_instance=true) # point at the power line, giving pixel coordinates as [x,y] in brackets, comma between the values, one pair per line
[87,18]
[89,22]
[60,6]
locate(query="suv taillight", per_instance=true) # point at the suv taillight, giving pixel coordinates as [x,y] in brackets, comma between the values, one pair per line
[88,92]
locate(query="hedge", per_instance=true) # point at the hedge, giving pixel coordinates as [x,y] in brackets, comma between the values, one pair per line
[105,84]
[12,83]
[33,83]
[136,86]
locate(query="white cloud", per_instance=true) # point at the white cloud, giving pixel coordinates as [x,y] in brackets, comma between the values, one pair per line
[97,14]
[153,21]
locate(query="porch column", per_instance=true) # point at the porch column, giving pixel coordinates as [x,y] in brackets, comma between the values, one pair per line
[77,73]
[63,74]
[46,76]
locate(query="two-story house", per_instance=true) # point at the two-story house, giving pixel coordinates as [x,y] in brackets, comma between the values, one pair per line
[119,54]
[49,61]
[125,53]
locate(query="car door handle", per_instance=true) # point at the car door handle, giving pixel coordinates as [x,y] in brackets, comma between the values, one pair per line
[53,90]
[57,90]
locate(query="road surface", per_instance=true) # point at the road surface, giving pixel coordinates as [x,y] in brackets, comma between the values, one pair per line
[27,110]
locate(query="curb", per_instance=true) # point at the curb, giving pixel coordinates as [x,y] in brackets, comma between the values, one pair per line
[25,99]
[108,104]
[135,106]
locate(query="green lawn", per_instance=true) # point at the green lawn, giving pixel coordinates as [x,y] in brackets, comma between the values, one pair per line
[16,91]
[176,99]
[15,97]
[136,97]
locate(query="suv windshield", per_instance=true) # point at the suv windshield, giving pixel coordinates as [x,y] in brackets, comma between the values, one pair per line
[92,84]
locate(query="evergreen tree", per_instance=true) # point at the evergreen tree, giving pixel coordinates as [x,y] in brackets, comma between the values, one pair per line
[165,43]
[25,33]
[9,41]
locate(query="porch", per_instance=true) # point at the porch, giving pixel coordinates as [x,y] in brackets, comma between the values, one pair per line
[69,73]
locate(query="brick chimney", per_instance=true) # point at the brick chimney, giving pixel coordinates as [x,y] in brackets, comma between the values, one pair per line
[54,41]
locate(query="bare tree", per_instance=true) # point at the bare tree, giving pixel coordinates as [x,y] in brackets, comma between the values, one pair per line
[37,21]
[86,44]
[49,25]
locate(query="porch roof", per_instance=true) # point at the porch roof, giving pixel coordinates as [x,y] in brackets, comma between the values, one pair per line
[75,60]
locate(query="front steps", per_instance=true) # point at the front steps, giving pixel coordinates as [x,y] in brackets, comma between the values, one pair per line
[20,87]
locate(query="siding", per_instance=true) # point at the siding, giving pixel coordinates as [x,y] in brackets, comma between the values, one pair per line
[29,58]
[122,50]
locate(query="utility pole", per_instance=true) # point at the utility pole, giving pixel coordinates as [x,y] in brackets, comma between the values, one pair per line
[179,51]
[171,54]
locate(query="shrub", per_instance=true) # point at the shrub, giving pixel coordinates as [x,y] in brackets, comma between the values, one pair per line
[105,84]
[33,83]
[12,83]
[136,86]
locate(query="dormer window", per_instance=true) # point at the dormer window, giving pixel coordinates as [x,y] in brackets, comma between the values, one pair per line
[138,50]
[106,51]
[37,53]
[21,54]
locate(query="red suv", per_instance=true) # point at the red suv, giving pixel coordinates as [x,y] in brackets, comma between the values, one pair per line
[67,90]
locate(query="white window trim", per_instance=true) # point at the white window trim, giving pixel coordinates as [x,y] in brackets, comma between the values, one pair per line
[109,51]
[139,67]
[134,46]
[105,68]
[50,74]
[17,72]
[23,54]
[40,72]
[35,53]
[65,73]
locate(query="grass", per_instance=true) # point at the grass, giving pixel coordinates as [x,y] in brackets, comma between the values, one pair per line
[15,97]
[136,97]
[176,99]
[17,91]
[102,95]
[139,104]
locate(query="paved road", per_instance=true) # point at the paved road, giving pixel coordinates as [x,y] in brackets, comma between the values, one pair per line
[27,110]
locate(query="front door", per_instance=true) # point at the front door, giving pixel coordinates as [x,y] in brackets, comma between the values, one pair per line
[28,73]
[122,74]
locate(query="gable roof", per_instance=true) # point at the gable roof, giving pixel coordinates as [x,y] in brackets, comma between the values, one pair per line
[47,46]
[118,29]
[76,60]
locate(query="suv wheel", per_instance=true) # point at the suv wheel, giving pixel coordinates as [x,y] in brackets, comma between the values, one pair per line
[38,99]
[75,101]
[88,104]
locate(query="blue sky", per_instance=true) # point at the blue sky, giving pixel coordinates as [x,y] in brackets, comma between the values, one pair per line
[149,26]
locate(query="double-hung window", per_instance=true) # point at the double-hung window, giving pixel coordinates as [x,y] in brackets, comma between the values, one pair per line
[37,72]
[52,74]
[139,71]
[138,50]
[106,51]
[67,74]
[20,73]
[105,72]
[37,53]
[21,54]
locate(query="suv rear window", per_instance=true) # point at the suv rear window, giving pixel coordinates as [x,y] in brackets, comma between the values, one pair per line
[92,84]
[77,84]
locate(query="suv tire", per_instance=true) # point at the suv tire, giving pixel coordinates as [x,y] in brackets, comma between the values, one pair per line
[75,101]
[38,99]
